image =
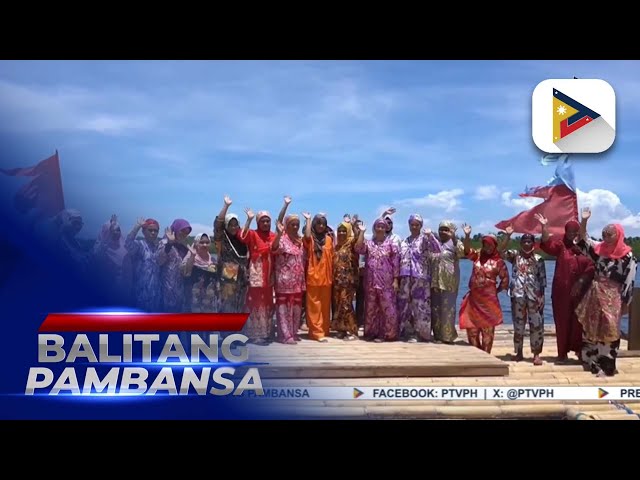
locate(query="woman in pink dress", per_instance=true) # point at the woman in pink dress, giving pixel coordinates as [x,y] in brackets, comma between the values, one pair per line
[290,282]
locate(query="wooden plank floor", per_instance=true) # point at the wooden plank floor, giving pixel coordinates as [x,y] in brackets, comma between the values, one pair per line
[357,359]
[521,374]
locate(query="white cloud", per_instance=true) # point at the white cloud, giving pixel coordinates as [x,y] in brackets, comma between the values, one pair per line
[486,226]
[114,124]
[486,192]
[606,207]
[198,228]
[62,108]
[447,200]
[521,203]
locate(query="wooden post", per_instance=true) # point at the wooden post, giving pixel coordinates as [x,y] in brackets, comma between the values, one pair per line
[634,321]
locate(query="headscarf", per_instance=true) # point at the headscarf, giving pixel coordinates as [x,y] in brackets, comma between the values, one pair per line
[348,227]
[228,217]
[528,236]
[262,213]
[201,262]
[240,248]
[484,257]
[616,251]
[180,224]
[66,217]
[287,220]
[416,217]
[115,249]
[150,222]
[448,224]
[379,221]
[61,235]
[262,248]
[319,239]
[259,216]
[389,222]
[573,225]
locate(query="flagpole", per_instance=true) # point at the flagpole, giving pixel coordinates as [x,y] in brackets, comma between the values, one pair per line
[59,179]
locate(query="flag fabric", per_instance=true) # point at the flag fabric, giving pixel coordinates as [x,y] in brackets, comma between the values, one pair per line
[559,205]
[44,192]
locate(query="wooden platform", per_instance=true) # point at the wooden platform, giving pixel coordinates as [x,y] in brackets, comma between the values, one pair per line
[303,364]
[338,359]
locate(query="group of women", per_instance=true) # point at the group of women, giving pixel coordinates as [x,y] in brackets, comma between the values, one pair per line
[591,292]
[409,286]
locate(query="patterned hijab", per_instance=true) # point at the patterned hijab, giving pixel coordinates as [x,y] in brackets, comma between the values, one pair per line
[348,227]
[319,239]
[298,239]
[449,224]
[492,240]
[201,262]
[115,249]
[240,248]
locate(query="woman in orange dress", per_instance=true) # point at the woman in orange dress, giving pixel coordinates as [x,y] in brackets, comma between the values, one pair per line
[480,311]
[319,247]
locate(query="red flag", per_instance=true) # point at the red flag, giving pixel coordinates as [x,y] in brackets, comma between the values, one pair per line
[44,192]
[560,205]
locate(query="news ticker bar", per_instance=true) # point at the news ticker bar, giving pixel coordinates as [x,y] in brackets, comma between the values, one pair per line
[452,393]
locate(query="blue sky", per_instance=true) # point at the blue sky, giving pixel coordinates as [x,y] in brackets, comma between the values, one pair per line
[447,139]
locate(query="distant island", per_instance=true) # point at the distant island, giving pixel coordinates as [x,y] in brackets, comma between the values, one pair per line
[633,242]
[476,242]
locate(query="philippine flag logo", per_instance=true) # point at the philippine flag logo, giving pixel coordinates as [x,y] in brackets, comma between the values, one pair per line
[573,116]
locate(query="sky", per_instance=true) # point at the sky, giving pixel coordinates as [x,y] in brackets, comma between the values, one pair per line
[446,139]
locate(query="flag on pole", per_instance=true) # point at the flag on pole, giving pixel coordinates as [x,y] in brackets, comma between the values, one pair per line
[560,202]
[44,192]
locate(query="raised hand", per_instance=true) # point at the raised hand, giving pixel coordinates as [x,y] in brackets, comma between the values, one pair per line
[113,219]
[509,230]
[287,200]
[249,212]
[140,221]
[361,226]
[466,229]
[586,213]
[192,249]
[307,216]
[227,200]
[427,232]
[541,218]
[389,211]
[280,227]
[169,234]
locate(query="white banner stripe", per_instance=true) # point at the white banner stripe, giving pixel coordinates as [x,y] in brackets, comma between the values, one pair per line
[357,393]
